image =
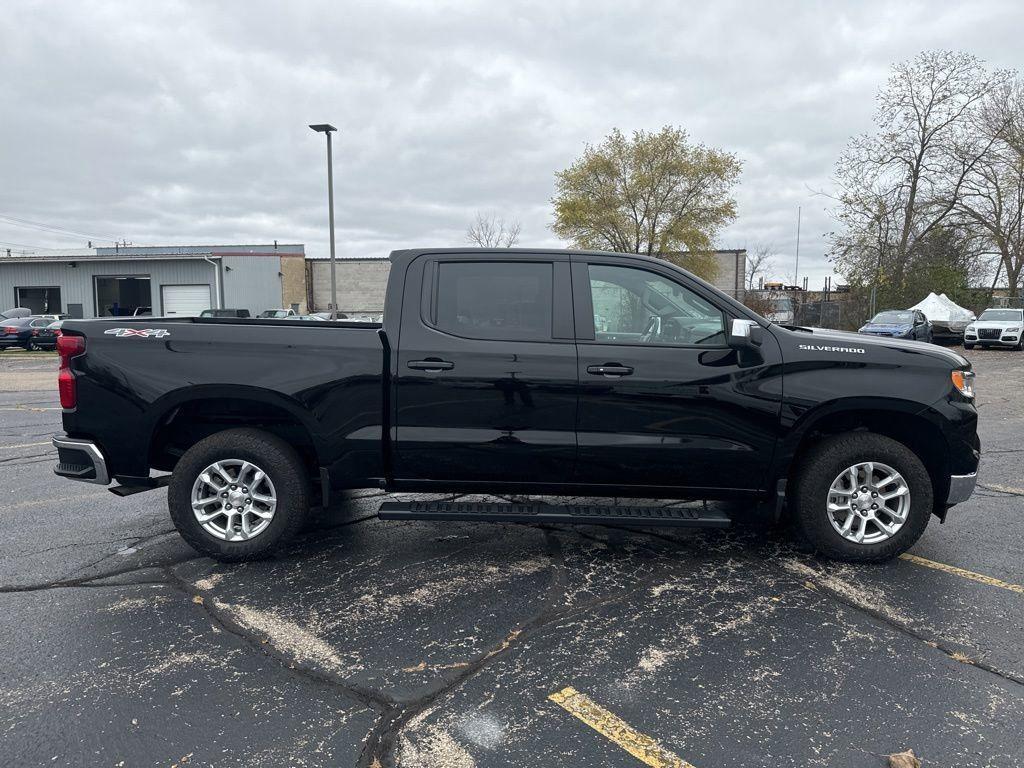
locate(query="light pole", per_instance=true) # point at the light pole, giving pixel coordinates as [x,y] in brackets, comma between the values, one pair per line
[329,129]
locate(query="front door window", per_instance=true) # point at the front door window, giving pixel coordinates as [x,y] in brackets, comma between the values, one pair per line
[634,306]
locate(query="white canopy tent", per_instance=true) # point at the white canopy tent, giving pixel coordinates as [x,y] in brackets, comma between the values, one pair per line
[943,309]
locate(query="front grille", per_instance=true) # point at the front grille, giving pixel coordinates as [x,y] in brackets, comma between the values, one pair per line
[988,333]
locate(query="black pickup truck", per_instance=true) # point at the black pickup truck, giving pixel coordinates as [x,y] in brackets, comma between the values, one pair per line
[523,372]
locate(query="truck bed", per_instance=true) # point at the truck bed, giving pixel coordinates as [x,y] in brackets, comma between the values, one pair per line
[324,379]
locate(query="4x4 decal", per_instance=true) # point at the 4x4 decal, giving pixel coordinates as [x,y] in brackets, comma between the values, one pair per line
[146,333]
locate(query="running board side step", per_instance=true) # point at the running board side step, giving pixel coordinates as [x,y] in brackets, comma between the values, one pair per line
[493,512]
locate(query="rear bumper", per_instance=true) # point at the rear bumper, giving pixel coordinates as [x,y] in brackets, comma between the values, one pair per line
[81,460]
[961,487]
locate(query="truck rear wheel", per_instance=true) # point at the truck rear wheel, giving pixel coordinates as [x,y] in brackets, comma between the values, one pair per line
[238,494]
[861,497]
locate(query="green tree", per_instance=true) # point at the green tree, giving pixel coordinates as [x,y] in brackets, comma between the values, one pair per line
[656,194]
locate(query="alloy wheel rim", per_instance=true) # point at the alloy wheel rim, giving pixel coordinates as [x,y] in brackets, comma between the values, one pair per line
[868,502]
[234,500]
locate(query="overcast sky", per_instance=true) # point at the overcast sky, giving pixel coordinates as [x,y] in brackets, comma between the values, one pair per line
[174,123]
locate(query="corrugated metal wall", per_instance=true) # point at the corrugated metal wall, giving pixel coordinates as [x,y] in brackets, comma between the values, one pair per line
[76,283]
[252,282]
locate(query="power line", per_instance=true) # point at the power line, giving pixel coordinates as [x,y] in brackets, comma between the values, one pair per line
[55,228]
[22,245]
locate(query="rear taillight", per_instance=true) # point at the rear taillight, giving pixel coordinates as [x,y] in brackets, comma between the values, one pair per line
[68,347]
[10,329]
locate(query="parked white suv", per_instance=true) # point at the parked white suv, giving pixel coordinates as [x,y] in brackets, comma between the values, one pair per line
[997,328]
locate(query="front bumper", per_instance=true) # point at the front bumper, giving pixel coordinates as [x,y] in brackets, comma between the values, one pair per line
[1004,338]
[80,460]
[961,487]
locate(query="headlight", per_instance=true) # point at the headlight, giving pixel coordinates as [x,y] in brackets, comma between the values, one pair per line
[1012,330]
[964,382]
[970,329]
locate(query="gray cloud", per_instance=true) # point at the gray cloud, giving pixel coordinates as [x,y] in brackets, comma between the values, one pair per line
[186,122]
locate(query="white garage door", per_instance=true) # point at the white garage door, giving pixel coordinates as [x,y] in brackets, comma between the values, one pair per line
[185,299]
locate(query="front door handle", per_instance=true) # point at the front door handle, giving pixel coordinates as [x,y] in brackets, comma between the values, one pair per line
[612,370]
[431,364]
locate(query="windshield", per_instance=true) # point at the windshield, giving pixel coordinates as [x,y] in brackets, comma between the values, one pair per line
[1006,315]
[901,318]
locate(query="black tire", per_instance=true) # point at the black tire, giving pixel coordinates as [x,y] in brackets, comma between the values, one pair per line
[270,453]
[823,463]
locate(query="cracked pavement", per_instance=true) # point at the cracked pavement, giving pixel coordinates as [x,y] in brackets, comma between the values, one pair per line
[437,644]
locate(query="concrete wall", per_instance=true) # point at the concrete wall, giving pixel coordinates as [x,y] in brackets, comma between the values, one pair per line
[732,273]
[361,284]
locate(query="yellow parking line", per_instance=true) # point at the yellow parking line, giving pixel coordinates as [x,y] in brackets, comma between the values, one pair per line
[1002,488]
[963,572]
[643,748]
[23,445]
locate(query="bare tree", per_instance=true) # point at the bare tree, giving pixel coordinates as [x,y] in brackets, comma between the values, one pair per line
[760,263]
[993,193]
[491,231]
[903,182]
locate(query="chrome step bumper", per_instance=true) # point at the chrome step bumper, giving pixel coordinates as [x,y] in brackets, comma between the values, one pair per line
[80,460]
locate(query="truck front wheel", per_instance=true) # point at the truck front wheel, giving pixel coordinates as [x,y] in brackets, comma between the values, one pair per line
[861,497]
[238,494]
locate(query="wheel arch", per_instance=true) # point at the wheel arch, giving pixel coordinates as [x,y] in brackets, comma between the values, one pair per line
[181,419]
[905,421]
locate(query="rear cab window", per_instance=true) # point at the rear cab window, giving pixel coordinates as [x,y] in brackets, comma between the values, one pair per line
[499,300]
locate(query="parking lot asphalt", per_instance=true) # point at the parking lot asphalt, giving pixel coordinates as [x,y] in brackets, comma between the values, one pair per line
[453,644]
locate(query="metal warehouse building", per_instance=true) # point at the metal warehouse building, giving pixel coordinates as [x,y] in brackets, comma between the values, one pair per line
[99,282]
[362,281]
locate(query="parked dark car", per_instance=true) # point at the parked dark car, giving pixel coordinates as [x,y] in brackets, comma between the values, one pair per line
[16,332]
[45,337]
[224,313]
[490,375]
[899,324]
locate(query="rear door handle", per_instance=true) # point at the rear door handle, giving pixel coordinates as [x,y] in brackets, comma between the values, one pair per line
[431,365]
[610,369]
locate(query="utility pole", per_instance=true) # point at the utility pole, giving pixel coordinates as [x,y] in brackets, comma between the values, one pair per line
[329,129]
[796,272]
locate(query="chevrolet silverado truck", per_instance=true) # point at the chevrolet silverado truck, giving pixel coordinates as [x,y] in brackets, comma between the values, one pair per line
[556,373]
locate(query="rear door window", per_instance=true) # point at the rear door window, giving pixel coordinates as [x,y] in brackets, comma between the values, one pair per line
[509,301]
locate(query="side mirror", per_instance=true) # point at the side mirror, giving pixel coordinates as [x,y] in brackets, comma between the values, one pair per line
[745,334]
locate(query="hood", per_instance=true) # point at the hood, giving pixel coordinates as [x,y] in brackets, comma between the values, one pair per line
[886,327]
[996,324]
[827,336]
